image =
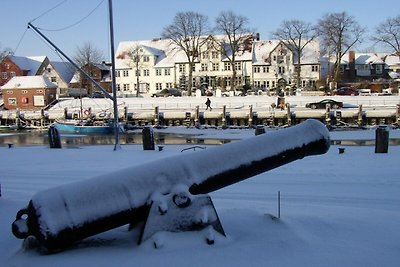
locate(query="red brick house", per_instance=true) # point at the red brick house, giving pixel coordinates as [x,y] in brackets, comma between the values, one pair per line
[12,66]
[101,73]
[28,92]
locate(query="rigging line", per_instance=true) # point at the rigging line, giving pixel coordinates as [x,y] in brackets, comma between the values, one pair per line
[44,13]
[20,41]
[76,23]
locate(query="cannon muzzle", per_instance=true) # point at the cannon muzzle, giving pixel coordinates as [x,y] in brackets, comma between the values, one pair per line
[62,215]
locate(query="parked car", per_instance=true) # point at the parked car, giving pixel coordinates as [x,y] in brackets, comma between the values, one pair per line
[346,91]
[168,92]
[98,94]
[322,104]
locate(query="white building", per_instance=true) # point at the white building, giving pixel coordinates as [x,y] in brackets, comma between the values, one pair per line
[261,64]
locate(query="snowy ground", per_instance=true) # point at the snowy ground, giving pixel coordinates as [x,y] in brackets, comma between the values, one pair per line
[336,209]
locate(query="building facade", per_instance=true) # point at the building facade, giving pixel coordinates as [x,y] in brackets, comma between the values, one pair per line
[12,66]
[28,92]
[153,65]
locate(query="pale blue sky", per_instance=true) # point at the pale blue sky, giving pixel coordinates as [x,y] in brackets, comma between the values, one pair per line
[138,20]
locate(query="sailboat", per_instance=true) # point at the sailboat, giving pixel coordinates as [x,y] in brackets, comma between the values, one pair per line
[84,126]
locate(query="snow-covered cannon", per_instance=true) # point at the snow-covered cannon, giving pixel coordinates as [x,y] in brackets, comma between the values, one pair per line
[62,215]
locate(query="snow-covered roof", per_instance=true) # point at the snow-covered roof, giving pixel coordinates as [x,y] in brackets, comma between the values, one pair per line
[365,58]
[65,69]
[263,49]
[28,82]
[31,64]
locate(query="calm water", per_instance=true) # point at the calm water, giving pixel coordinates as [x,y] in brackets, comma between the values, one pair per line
[28,138]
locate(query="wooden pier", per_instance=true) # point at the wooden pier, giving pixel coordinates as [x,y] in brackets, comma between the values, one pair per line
[222,116]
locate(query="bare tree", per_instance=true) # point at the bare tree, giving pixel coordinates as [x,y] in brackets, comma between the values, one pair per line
[339,32]
[186,32]
[388,33]
[296,35]
[88,54]
[239,38]
[136,55]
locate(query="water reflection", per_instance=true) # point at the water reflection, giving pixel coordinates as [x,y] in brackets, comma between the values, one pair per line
[28,138]
[41,138]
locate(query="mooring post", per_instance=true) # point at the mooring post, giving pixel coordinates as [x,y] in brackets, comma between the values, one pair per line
[54,137]
[288,114]
[250,119]
[381,139]
[65,113]
[126,113]
[41,117]
[197,116]
[328,114]
[156,116]
[148,138]
[224,116]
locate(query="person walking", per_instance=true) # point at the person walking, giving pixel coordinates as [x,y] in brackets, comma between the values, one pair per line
[208,104]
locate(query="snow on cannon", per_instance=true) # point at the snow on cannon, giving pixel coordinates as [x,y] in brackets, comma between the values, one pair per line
[167,195]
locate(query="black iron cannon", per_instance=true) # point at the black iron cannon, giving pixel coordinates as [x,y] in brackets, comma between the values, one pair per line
[60,216]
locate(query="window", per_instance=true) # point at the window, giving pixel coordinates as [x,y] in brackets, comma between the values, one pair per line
[137,72]
[12,101]
[48,69]
[281,70]
[227,66]
[4,75]
[167,72]
[265,69]
[146,58]
[10,92]
[168,85]
[117,73]
[238,66]
[12,74]
[126,86]
[125,73]
[118,87]
[146,72]
[214,54]
[53,79]
[39,91]
[314,68]
[378,69]
[181,67]
[205,55]
[256,69]
[215,66]
[158,86]
[158,72]
[24,92]
[204,67]
[194,68]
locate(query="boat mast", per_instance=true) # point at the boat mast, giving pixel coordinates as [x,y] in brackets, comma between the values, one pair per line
[117,145]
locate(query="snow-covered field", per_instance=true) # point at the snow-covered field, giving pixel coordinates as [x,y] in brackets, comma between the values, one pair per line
[336,209]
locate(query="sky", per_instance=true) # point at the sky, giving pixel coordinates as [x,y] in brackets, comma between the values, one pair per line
[134,20]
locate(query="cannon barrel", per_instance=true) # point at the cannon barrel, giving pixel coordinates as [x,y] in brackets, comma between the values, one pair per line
[62,215]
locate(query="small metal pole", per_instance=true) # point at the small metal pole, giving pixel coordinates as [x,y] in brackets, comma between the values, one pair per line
[279,204]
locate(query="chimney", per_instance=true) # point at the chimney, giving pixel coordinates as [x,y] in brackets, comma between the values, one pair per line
[352,66]
[257,36]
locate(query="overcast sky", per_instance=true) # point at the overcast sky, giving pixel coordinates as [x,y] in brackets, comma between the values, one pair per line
[140,20]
